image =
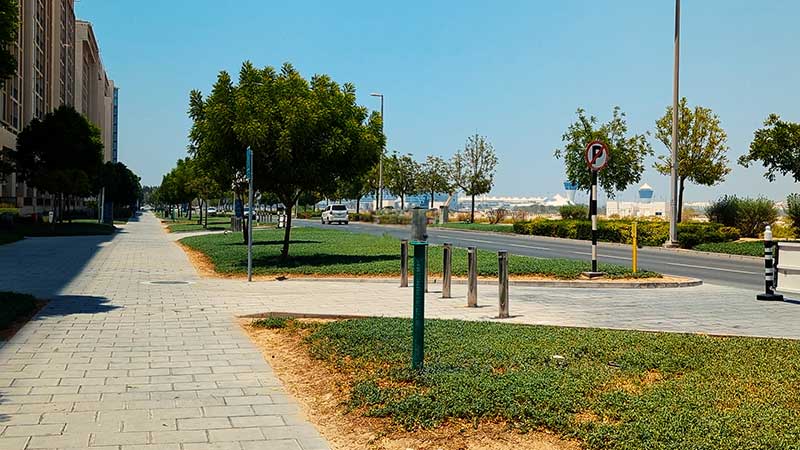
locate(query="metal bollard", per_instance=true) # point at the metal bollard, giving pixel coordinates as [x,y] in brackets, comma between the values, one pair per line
[418,321]
[427,271]
[447,269]
[502,262]
[404,263]
[472,277]
[769,269]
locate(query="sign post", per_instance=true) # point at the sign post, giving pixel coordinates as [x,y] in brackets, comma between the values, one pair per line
[597,157]
[249,170]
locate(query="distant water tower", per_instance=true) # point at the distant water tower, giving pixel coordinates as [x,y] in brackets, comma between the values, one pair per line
[570,188]
[645,193]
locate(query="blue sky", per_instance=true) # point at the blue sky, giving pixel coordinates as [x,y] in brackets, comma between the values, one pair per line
[514,71]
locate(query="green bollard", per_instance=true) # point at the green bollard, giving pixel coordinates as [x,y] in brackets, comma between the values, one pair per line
[418,346]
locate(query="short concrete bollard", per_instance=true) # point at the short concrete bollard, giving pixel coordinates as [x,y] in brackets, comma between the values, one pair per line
[404,263]
[769,269]
[447,269]
[472,277]
[502,262]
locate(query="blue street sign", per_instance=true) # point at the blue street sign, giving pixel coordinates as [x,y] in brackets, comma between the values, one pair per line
[249,163]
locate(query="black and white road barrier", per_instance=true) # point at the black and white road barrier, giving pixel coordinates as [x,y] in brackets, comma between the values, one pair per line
[769,268]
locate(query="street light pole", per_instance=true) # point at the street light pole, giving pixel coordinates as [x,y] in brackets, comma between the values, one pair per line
[380,162]
[673,221]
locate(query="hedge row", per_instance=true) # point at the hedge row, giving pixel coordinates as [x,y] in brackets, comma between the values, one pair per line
[619,231]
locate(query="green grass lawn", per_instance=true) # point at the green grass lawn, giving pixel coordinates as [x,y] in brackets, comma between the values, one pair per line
[185,226]
[618,390]
[498,228]
[751,248]
[14,306]
[332,252]
[76,228]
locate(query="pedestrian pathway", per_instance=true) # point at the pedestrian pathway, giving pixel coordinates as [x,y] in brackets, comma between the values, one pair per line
[123,359]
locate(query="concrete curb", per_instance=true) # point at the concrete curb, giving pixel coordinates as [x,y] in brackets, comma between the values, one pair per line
[571,284]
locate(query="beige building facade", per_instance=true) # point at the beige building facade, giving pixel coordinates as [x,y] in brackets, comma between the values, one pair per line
[58,63]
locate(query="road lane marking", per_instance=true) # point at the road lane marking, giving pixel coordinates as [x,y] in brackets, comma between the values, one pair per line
[601,255]
[713,268]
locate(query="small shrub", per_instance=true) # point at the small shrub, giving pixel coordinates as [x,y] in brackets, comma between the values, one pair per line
[393,219]
[271,322]
[577,212]
[519,216]
[781,231]
[13,306]
[724,211]
[462,217]
[496,216]
[793,211]
[754,215]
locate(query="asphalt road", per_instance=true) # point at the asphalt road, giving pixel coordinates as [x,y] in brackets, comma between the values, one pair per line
[721,270]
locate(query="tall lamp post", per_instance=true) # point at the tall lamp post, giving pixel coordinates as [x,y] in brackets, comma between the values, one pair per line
[673,221]
[380,163]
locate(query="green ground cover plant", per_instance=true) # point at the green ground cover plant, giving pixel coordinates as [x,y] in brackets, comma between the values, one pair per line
[613,390]
[14,306]
[185,226]
[748,248]
[7,237]
[327,252]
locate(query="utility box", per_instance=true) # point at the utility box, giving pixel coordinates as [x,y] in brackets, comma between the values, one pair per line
[788,270]
[444,212]
[419,225]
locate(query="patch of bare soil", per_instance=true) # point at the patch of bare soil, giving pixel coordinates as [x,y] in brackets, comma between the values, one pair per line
[322,393]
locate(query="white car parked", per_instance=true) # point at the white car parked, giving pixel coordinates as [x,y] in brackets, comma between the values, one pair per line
[335,213]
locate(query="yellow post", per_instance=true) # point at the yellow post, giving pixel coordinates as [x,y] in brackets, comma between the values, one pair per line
[635,247]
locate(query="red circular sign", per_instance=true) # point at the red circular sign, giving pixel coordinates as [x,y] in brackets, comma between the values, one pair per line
[597,155]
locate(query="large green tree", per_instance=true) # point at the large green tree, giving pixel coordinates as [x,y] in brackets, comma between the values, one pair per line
[627,152]
[9,29]
[434,177]
[62,154]
[702,147]
[473,168]
[122,186]
[401,174]
[777,147]
[217,150]
[306,135]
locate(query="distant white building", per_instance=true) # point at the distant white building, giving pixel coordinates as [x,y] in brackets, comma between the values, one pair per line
[643,207]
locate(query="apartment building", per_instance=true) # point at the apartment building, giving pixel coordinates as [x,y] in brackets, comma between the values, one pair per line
[58,63]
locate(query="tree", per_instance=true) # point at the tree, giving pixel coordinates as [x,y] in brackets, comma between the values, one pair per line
[61,154]
[306,136]
[216,148]
[9,29]
[777,147]
[434,177]
[473,168]
[401,173]
[702,148]
[121,185]
[627,153]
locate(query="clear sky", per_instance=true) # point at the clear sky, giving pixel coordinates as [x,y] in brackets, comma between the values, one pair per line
[514,71]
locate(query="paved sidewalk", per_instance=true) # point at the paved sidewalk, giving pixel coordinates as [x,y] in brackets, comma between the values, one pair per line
[114,362]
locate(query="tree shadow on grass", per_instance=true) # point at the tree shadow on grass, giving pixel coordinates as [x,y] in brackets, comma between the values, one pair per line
[273,243]
[318,260]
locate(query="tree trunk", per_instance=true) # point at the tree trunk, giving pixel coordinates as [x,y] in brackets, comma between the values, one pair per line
[681,182]
[358,205]
[402,203]
[205,224]
[472,211]
[430,204]
[287,233]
